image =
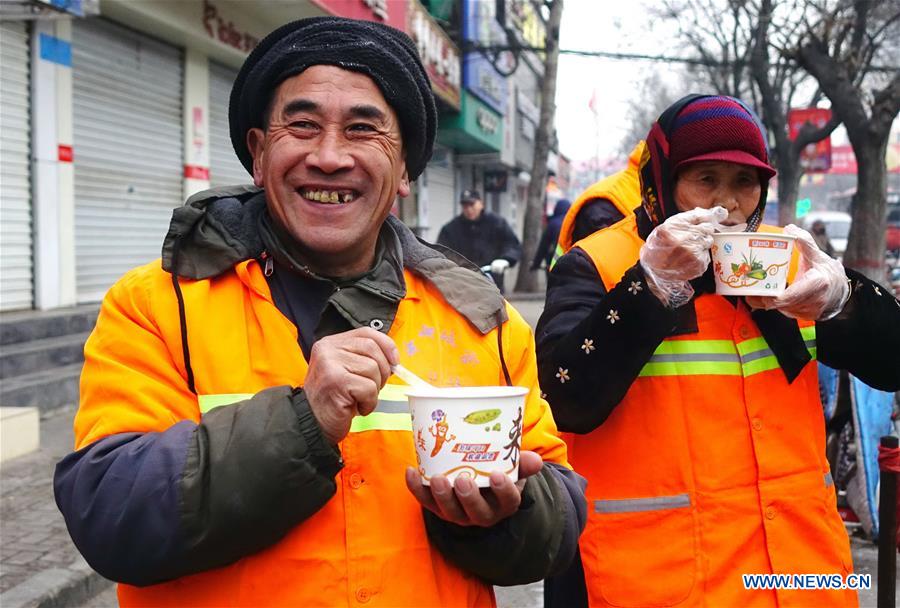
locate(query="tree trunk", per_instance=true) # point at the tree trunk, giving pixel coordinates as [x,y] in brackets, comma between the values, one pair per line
[789,174]
[866,243]
[534,210]
[869,134]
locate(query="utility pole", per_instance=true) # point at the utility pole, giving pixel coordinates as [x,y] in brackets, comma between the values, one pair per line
[534,209]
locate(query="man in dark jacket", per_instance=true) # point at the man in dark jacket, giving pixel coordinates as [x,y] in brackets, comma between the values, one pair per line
[547,244]
[481,236]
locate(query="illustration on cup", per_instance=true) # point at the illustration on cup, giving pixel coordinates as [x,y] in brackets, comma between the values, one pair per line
[749,272]
[440,431]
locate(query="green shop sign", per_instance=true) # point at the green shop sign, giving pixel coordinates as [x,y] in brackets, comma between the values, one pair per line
[477,128]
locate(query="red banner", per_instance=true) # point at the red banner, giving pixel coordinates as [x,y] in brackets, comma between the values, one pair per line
[391,12]
[64,153]
[843,161]
[815,157]
[196,172]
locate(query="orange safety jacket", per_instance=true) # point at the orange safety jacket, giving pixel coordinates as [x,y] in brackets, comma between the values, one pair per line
[622,189]
[712,466]
[368,545]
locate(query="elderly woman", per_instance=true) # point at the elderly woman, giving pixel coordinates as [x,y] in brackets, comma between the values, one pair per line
[696,417]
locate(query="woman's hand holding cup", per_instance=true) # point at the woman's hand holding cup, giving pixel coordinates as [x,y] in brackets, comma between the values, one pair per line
[819,290]
[677,251]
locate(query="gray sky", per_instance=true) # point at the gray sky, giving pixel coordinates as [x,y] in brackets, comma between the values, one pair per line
[614,26]
[601,25]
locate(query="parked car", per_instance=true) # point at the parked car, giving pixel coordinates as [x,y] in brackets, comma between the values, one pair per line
[894,277]
[837,226]
[893,229]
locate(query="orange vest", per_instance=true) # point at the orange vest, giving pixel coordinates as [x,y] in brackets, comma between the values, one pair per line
[367,546]
[622,189]
[711,466]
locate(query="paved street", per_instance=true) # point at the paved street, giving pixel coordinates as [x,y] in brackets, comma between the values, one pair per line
[38,556]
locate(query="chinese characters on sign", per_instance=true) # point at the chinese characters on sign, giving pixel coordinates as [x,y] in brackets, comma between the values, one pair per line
[439,54]
[487,122]
[479,76]
[225,31]
[522,17]
[816,156]
[379,8]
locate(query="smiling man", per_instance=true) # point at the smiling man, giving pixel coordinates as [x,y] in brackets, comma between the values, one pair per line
[240,438]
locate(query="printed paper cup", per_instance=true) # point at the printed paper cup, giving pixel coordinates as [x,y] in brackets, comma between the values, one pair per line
[469,431]
[751,263]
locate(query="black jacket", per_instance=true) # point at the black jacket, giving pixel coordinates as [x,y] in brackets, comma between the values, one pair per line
[547,245]
[483,240]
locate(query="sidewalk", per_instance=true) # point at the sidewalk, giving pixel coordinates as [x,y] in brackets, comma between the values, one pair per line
[39,565]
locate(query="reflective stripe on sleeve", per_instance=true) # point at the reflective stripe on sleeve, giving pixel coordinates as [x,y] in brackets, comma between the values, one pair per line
[391,413]
[557,253]
[211,402]
[634,505]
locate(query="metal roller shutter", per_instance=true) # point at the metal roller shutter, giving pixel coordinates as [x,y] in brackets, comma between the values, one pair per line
[16,254]
[224,167]
[127,91]
[441,184]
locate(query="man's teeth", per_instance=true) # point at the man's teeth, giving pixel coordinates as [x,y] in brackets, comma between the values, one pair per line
[328,196]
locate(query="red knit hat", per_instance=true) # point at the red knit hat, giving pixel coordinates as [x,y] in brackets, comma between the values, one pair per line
[718,128]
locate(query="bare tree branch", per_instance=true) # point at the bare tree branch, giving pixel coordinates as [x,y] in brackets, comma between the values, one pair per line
[867,111]
[809,134]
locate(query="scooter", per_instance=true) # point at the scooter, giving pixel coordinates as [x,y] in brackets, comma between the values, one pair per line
[497,277]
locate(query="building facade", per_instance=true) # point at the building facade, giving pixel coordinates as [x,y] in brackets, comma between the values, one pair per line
[114,111]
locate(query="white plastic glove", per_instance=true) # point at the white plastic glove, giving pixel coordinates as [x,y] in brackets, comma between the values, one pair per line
[819,290]
[677,251]
[499,266]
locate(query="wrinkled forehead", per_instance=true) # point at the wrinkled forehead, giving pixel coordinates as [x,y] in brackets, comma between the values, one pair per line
[326,88]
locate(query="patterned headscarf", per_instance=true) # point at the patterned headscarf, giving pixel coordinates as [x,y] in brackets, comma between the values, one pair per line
[695,128]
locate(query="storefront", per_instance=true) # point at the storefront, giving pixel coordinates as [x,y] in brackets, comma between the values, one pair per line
[16,259]
[436,189]
[224,167]
[127,117]
[132,101]
[476,134]
[437,194]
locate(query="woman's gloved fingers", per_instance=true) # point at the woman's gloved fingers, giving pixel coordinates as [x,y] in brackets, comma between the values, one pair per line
[677,251]
[699,215]
[827,288]
[802,297]
[806,246]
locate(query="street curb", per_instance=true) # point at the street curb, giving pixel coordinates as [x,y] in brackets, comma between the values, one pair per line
[56,588]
